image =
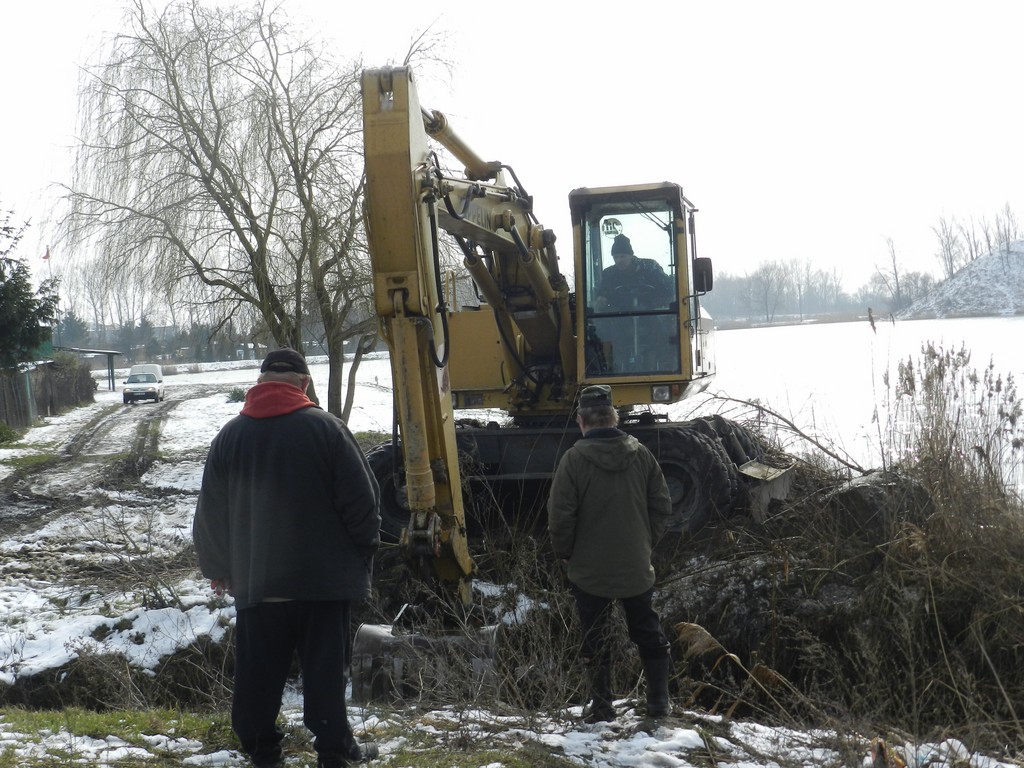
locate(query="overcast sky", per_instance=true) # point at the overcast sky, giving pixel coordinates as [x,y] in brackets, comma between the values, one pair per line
[802,130]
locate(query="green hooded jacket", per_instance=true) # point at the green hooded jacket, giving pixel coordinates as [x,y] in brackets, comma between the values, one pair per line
[608,507]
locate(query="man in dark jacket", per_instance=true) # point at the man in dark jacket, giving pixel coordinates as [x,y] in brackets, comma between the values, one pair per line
[288,522]
[632,282]
[609,505]
[632,339]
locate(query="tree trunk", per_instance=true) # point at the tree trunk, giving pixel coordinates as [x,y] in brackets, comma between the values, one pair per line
[336,358]
[366,344]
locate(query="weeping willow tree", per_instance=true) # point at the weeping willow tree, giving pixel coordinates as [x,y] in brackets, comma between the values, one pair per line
[221,155]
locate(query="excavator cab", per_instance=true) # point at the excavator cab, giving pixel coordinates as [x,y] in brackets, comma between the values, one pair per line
[638,290]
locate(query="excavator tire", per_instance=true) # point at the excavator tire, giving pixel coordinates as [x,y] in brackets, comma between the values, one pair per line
[751,445]
[738,441]
[386,464]
[702,480]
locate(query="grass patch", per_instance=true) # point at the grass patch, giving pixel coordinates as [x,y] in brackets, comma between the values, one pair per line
[62,737]
[29,461]
[525,755]
[237,394]
[370,439]
[9,434]
[450,738]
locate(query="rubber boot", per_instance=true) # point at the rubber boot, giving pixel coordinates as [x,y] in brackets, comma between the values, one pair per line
[600,708]
[361,753]
[656,672]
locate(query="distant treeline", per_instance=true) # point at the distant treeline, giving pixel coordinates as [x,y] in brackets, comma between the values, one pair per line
[795,290]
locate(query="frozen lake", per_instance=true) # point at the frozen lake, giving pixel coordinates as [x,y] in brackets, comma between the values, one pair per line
[830,378]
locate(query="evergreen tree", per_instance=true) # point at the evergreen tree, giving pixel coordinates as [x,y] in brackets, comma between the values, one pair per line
[26,316]
[74,331]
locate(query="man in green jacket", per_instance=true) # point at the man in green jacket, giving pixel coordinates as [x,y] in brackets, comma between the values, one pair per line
[609,505]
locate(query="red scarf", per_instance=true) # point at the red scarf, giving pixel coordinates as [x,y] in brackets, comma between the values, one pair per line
[274,398]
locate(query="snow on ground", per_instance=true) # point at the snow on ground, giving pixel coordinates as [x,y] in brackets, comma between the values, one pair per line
[990,285]
[46,621]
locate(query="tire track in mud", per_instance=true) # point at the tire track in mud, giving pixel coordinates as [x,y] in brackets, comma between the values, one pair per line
[116,438]
[111,451]
[85,514]
[88,532]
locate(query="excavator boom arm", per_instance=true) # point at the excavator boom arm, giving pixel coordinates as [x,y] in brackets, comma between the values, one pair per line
[513,263]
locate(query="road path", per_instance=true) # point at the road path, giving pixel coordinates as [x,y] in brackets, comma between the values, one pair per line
[83,506]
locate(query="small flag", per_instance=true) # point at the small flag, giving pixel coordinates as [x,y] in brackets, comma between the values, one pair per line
[47,254]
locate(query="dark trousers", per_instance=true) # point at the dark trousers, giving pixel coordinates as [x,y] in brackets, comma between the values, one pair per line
[642,623]
[267,636]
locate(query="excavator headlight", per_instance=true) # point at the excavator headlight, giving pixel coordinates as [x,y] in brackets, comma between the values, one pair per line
[661,393]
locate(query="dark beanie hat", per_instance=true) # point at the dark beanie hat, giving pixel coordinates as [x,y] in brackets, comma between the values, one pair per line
[596,396]
[284,360]
[621,244]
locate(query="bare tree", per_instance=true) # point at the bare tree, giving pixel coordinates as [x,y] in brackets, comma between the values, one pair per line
[220,149]
[971,242]
[768,286]
[833,286]
[93,284]
[916,285]
[1006,226]
[825,290]
[1006,233]
[800,281]
[889,277]
[988,236]
[950,253]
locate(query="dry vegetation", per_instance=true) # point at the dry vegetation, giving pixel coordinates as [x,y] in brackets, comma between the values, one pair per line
[889,602]
[894,600]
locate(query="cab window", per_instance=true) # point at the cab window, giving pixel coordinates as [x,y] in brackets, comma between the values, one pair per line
[631,296]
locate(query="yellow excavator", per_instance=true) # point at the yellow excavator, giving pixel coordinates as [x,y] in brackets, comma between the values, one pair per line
[504,334]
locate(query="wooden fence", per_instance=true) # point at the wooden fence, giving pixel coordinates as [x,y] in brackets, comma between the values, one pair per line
[46,390]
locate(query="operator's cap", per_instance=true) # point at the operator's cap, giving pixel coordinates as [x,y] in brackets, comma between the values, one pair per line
[621,244]
[284,360]
[596,396]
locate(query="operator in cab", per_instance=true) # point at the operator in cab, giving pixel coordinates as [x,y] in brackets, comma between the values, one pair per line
[632,282]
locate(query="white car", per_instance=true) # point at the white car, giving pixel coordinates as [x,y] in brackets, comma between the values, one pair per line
[144,382]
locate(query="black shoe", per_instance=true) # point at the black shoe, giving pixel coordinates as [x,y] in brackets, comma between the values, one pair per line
[657,672]
[367,752]
[600,709]
[598,712]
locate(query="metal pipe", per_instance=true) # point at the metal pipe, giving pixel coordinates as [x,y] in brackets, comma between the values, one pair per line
[419,477]
[437,127]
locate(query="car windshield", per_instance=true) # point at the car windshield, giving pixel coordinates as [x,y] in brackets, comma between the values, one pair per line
[141,378]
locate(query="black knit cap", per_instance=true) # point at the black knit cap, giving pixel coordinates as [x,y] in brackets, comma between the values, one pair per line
[284,360]
[621,244]
[596,396]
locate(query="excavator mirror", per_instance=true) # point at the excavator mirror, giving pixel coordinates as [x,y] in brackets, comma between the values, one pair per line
[703,278]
